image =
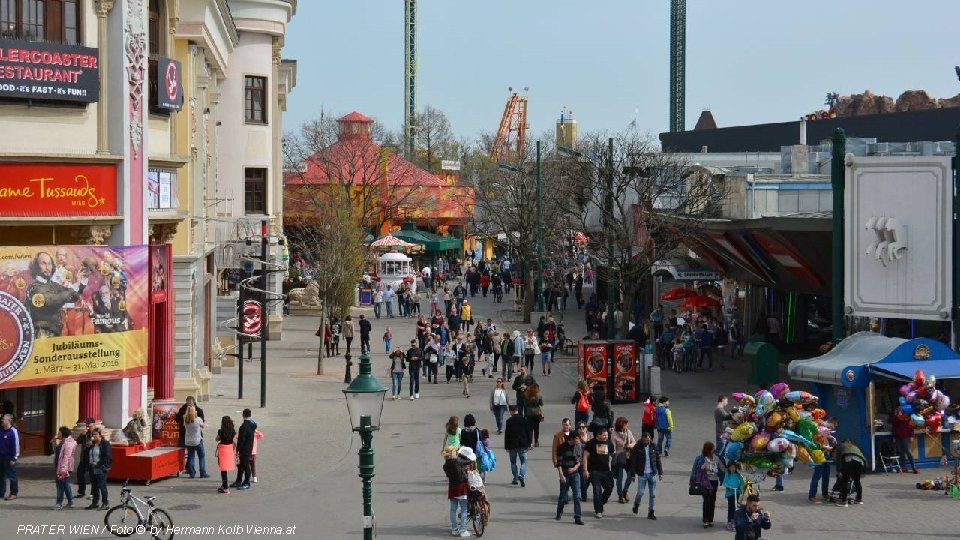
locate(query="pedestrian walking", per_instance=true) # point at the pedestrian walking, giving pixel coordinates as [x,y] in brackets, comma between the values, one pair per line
[705,475]
[335,344]
[516,440]
[530,349]
[99,461]
[63,448]
[365,329]
[520,384]
[226,453]
[414,361]
[398,366]
[597,469]
[584,436]
[733,484]
[664,424]
[467,361]
[568,465]
[348,330]
[193,440]
[257,437]
[566,428]
[451,433]
[387,339]
[84,442]
[432,353]
[533,409]
[646,465]
[499,402]
[649,418]
[466,315]
[9,454]
[720,417]
[327,333]
[623,442]
[470,433]
[377,303]
[449,360]
[388,297]
[546,357]
[581,403]
[454,466]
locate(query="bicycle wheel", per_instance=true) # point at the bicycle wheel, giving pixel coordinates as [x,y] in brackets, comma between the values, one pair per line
[479,514]
[121,520]
[161,525]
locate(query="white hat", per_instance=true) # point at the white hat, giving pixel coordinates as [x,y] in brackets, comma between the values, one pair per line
[466,452]
[516,333]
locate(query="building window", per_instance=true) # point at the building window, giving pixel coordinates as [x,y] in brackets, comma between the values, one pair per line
[255,191]
[162,189]
[57,21]
[255,99]
[154,34]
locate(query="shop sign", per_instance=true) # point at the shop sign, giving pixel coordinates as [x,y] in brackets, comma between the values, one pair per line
[72,313]
[49,71]
[57,190]
[251,319]
[169,84]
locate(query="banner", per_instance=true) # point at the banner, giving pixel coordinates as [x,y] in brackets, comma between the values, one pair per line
[57,189]
[72,313]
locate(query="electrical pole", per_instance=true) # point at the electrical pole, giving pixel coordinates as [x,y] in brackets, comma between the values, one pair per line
[264,313]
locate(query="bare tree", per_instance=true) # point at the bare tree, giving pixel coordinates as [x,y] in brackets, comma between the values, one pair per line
[435,139]
[657,203]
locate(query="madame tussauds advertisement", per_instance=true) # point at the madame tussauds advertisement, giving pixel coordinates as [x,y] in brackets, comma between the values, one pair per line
[72,313]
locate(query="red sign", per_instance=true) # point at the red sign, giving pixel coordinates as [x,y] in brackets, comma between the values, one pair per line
[252,318]
[593,363]
[57,189]
[625,372]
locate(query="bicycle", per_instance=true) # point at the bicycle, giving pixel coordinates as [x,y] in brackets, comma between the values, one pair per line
[128,517]
[478,508]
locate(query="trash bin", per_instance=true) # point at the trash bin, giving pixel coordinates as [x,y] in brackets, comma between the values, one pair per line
[763,363]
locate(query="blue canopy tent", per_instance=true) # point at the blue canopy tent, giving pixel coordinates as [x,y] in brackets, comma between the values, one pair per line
[858,380]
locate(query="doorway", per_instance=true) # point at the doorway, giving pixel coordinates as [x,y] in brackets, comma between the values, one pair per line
[31,408]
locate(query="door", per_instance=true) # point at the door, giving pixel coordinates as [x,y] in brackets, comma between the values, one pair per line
[32,409]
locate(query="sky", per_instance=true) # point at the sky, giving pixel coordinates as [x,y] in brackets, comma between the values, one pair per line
[748,61]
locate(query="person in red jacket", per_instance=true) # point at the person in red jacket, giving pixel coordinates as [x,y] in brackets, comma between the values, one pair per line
[649,420]
[902,435]
[484,283]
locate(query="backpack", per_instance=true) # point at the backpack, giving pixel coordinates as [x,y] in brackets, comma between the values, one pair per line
[486,460]
[511,347]
[583,404]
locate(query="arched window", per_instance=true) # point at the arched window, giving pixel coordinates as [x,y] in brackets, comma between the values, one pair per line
[57,21]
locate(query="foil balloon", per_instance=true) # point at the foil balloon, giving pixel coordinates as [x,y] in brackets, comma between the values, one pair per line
[743,431]
[779,390]
[778,445]
[759,442]
[817,457]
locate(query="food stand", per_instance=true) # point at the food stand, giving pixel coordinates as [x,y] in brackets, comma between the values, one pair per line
[858,381]
[395,269]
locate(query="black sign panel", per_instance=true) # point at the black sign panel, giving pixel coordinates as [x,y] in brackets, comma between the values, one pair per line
[49,71]
[169,84]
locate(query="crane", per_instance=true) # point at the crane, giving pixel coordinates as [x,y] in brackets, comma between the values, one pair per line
[512,133]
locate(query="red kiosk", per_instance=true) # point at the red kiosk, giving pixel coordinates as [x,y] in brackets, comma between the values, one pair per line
[612,365]
[159,458]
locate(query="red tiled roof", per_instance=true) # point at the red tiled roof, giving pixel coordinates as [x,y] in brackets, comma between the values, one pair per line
[356,161]
[355,117]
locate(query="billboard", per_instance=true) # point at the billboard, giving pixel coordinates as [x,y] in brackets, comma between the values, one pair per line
[625,372]
[49,71]
[898,237]
[72,313]
[57,189]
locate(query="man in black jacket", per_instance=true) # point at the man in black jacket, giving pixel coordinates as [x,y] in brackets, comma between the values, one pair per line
[645,463]
[84,441]
[99,460]
[244,449]
[516,440]
[414,362]
[365,328]
[520,384]
[183,412]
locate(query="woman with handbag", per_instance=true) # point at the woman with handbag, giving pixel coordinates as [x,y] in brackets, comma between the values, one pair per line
[581,403]
[533,410]
[704,481]
[623,442]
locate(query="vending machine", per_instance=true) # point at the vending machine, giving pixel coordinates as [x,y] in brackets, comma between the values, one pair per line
[625,372]
[594,364]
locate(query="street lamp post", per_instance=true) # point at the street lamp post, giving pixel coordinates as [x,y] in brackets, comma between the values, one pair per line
[539,282]
[611,291]
[365,407]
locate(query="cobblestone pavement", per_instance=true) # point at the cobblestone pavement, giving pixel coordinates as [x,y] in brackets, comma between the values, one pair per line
[308,477]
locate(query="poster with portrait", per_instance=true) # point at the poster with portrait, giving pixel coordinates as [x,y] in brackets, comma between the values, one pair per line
[166,430]
[72,313]
[594,369]
[625,372]
[158,273]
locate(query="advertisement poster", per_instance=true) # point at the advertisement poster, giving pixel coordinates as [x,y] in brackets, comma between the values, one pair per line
[593,363]
[72,313]
[166,431]
[158,273]
[625,372]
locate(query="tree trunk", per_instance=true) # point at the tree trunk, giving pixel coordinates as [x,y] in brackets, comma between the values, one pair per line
[323,311]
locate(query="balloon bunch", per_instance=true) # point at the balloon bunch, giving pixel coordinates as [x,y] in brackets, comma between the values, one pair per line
[921,403]
[775,428]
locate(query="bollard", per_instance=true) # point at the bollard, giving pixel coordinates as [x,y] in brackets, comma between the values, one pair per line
[347,378]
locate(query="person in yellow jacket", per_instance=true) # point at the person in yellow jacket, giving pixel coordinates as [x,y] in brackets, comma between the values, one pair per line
[466,316]
[664,419]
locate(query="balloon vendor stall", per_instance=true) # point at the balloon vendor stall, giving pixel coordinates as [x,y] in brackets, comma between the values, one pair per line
[776,428]
[870,382]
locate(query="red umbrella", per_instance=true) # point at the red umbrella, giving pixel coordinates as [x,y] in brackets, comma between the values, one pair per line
[700,302]
[678,294]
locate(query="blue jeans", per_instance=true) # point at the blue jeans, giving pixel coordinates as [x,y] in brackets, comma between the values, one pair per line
[649,480]
[414,380]
[64,488]
[458,504]
[661,435]
[571,483]
[376,309]
[397,385]
[779,482]
[8,472]
[499,411]
[623,486]
[389,305]
[545,358]
[821,474]
[520,453]
[387,343]
[198,450]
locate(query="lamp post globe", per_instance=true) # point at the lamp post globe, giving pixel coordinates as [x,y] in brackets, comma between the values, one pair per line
[365,406]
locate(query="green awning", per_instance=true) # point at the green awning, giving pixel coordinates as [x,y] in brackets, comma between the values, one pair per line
[431,242]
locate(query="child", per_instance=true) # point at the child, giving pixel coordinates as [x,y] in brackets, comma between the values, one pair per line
[664,423]
[387,339]
[734,483]
[226,457]
[257,435]
[449,360]
[677,355]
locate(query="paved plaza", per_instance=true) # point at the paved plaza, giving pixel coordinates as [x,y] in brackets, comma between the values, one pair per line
[307,464]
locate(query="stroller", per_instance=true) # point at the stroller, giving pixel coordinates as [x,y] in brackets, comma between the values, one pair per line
[834,495]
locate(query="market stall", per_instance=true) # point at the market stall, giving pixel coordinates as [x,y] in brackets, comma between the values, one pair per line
[862,379]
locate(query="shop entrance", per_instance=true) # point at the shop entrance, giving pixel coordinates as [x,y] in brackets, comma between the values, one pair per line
[32,408]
